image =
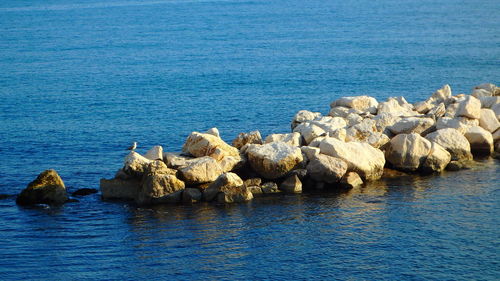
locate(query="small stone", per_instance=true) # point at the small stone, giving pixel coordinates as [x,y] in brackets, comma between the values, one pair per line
[291,185]
[351,180]
[270,187]
[155,153]
[253,137]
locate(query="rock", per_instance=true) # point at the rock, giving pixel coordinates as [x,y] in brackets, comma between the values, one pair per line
[294,139]
[303,116]
[254,189]
[437,160]
[488,120]
[244,138]
[135,164]
[159,185]
[231,163]
[291,185]
[496,136]
[481,141]
[199,145]
[394,107]
[451,110]
[324,168]
[408,151]
[48,188]
[176,160]
[84,192]
[253,182]
[273,160]
[441,95]
[119,188]
[487,87]
[340,111]
[213,131]
[454,142]
[456,165]
[270,187]
[480,93]
[318,140]
[470,107]
[366,131]
[496,109]
[339,134]
[310,151]
[410,125]
[329,124]
[155,153]
[309,131]
[361,103]
[353,119]
[423,107]
[351,180]
[235,195]
[462,124]
[488,102]
[362,158]
[191,195]
[437,111]
[384,120]
[224,182]
[201,170]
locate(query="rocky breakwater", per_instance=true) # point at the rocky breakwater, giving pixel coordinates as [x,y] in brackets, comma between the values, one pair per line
[357,141]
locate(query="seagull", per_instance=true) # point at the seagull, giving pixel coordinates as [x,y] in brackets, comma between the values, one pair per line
[133,146]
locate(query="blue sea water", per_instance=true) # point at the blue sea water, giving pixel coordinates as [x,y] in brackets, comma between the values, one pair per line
[80,80]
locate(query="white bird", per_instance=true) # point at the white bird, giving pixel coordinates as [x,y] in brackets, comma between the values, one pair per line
[133,146]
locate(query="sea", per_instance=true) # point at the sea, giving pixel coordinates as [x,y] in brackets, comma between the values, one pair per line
[80,80]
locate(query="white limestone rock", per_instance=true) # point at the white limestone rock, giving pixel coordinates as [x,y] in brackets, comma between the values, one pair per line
[496,110]
[361,103]
[200,144]
[253,137]
[385,120]
[339,134]
[438,111]
[318,140]
[329,124]
[155,153]
[213,131]
[309,131]
[408,151]
[135,164]
[294,139]
[353,119]
[491,88]
[340,111]
[410,125]
[437,160]
[454,142]
[273,160]
[231,163]
[462,124]
[303,116]
[176,159]
[481,141]
[361,158]
[396,107]
[488,120]
[470,107]
[201,170]
[325,168]
[489,102]
[479,93]
[310,152]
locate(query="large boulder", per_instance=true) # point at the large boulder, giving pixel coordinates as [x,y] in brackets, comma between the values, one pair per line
[201,144]
[291,185]
[361,158]
[407,151]
[481,141]
[294,139]
[274,160]
[324,168]
[159,185]
[437,160]
[360,103]
[488,120]
[176,159]
[227,188]
[244,138]
[454,142]
[410,125]
[469,107]
[201,170]
[117,188]
[48,188]
[135,164]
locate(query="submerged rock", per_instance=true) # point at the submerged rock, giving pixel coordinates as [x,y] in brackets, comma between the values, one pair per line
[84,192]
[48,188]
[351,180]
[119,188]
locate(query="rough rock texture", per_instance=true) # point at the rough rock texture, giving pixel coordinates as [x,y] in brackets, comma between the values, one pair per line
[396,107]
[176,160]
[488,120]
[191,195]
[270,187]
[324,168]
[291,185]
[340,111]
[244,138]
[351,180]
[454,142]
[119,188]
[159,185]
[303,116]
[411,125]
[407,151]
[437,160]
[135,164]
[489,102]
[360,103]
[47,188]
[437,111]
[462,124]
[309,131]
[294,139]
[213,131]
[227,188]
[155,153]
[230,163]
[361,158]
[469,107]
[329,124]
[273,160]
[200,144]
[201,170]
[481,141]
[310,151]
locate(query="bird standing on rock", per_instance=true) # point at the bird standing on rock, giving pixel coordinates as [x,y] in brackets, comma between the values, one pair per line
[133,146]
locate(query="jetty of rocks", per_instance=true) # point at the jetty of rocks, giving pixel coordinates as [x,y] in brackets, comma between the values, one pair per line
[355,142]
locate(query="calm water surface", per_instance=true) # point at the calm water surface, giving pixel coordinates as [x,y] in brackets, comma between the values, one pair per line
[80,80]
